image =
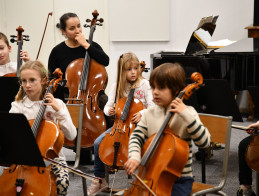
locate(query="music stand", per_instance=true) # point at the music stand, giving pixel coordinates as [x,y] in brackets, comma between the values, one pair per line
[17,142]
[9,87]
[216,97]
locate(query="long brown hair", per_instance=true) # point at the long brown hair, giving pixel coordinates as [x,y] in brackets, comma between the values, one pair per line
[170,75]
[125,61]
[38,66]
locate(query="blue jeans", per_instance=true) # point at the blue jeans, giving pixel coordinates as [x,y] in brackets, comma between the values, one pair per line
[182,186]
[99,169]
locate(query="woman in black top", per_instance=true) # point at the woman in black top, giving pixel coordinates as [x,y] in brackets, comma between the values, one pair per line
[74,47]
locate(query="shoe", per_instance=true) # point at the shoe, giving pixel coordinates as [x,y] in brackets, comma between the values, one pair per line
[247,192]
[96,187]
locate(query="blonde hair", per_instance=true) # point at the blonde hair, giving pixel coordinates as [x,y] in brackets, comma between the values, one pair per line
[125,61]
[38,66]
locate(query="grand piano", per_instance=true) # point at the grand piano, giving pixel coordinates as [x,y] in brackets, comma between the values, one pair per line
[237,64]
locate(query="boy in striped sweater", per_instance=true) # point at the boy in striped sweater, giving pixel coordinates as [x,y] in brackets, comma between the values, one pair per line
[167,81]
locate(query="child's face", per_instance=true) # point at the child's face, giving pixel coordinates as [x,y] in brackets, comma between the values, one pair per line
[32,83]
[4,52]
[162,97]
[73,27]
[132,72]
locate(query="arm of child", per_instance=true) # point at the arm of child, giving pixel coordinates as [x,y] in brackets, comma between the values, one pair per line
[111,100]
[64,120]
[254,125]
[130,166]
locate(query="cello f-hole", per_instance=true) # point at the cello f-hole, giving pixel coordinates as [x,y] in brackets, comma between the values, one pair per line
[41,172]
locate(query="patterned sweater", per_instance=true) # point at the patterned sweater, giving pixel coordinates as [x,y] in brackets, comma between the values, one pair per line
[186,125]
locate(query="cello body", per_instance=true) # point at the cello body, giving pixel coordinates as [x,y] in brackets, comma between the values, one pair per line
[163,168]
[37,181]
[120,133]
[94,122]
[252,153]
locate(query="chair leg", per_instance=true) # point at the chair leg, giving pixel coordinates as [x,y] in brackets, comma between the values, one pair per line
[84,186]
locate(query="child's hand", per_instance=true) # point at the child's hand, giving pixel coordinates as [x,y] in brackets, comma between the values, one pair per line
[136,117]
[177,106]
[254,125]
[52,102]
[111,111]
[24,55]
[130,166]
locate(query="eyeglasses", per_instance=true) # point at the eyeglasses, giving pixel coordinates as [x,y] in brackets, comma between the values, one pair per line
[32,81]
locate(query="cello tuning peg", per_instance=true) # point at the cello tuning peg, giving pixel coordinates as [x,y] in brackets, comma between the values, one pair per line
[100,20]
[99,24]
[13,40]
[12,36]
[88,20]
[86,25]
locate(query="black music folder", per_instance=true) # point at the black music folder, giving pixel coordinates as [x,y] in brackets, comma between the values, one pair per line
[17,142]
[9,87]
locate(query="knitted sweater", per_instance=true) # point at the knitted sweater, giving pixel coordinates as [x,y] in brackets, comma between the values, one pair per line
[186,125]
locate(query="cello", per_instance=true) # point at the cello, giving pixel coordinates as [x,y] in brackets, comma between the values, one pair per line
[158,168]
[20,38]
[30,180]
[87,80]
[114,147]
[252,150]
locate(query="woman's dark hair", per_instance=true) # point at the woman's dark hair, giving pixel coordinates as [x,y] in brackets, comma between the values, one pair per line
[170,75]
[63,19]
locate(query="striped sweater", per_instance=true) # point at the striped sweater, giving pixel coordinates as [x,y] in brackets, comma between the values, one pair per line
[186,125]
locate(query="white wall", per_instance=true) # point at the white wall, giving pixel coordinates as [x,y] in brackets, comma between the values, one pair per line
[184,16]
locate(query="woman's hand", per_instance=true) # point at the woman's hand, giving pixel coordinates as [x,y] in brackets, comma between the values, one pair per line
[111,111]
[177,106]
[136,117]
[80,38]
[130,166]
[24,55]
[51,101]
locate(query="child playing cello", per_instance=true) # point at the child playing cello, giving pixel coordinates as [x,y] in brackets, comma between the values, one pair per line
[34,80]
[6,65]
[130,76]
[166,82]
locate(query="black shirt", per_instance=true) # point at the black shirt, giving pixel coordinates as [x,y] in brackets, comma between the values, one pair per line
[62,55]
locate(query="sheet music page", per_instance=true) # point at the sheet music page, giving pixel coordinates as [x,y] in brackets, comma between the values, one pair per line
[223,42]
[203,35]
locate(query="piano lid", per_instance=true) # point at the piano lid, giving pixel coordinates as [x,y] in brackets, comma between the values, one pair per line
[196,46]
[247,45]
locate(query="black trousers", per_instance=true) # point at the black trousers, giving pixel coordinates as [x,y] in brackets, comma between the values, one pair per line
[245,172]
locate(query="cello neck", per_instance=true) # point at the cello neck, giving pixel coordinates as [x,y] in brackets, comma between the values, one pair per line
[36,123]
[127,105]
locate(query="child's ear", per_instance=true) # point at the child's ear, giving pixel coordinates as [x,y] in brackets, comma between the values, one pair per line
[10,48]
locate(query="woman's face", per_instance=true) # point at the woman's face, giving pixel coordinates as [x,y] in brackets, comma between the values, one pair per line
[4,52]
[73,27]
[32,83]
